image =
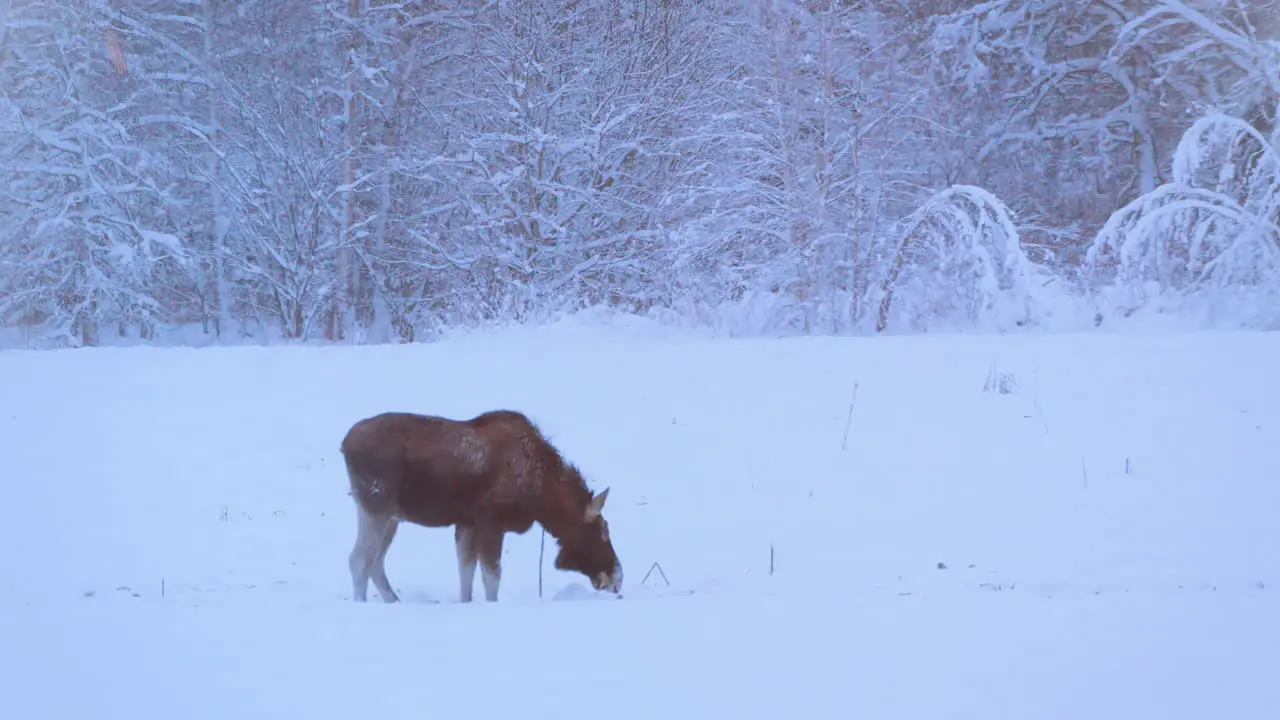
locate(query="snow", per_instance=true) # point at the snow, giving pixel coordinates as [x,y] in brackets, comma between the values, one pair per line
[174,538]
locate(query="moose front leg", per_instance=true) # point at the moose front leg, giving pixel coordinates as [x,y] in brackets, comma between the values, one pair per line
[464,538]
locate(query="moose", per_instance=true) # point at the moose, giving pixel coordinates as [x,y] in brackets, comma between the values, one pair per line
[487,476]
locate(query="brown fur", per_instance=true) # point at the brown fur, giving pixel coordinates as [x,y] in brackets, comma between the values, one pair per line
[487,476]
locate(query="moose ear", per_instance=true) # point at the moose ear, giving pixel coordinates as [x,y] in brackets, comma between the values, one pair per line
[596,505]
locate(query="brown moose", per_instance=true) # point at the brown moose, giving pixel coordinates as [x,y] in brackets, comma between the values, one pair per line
[487,476]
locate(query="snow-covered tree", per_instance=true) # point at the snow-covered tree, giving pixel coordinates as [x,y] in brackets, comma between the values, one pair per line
[88,243]
[374,170]
[1208,241]
[958,263]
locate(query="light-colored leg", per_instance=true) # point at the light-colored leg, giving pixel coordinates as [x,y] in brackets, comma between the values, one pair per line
[370,531]
[489,545]
[464,537]
[378,572]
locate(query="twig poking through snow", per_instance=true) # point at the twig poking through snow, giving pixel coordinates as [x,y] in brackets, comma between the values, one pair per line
[542,547]
[1004,383]
[657,567]
[844,444]
[1084,472]
[1035,403]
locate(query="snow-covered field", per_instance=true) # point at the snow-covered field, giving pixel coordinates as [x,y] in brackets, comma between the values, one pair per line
[1102,541]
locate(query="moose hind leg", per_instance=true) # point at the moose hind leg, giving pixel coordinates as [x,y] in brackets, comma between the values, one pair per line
[464,538]
[370,532]
[378,572]
[489,545]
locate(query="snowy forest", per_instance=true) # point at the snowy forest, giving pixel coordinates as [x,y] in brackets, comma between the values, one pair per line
[361,171]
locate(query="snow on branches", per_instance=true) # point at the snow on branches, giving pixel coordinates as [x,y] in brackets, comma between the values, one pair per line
[958,260]
[1210,237]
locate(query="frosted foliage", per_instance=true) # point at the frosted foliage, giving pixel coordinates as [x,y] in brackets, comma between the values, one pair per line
[261,171]
[84,238]
[958,263]
[1206,242]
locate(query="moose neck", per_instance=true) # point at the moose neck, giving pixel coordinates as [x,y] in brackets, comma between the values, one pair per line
[563,506]
[558,520]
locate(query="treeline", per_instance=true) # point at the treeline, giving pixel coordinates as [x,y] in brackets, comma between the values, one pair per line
[378,170]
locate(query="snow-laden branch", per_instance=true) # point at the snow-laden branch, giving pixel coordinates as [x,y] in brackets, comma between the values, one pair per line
[958,259]
[1211,235]
[1170,23]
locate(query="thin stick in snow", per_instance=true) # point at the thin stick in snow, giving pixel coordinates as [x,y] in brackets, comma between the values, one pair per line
[657,567]
[844,444]
[1084,472]
[542,546]
[1039,409]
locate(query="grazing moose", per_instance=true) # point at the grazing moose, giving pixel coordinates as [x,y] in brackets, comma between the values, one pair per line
[487,476]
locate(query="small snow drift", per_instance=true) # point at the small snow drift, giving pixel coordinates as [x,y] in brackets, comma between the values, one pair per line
[578,591]
[487,476]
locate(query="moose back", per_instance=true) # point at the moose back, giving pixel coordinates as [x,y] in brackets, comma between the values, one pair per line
[487,476]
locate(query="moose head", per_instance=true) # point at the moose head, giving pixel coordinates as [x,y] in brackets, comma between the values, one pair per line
[586,548]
